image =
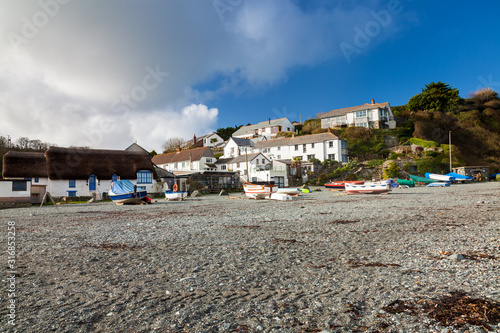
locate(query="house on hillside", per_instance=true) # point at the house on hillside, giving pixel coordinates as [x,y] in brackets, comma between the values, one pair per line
[238,146]
[255,165]
[197,159]
[211,140]
[322,146]
[267,129]
[77,172]
[370,115]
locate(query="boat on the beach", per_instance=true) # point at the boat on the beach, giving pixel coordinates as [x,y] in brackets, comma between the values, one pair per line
[341,184]
[292,191]
[418,179]
[172,195]
[124,192]
[368,188]
[259,190]
[459,177]
[409,183]
[439,184]
[438,177]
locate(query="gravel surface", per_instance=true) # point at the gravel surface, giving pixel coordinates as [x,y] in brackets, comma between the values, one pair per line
[324,262]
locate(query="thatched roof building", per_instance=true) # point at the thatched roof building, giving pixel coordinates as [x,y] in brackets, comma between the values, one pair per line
[18,164]
[75,163]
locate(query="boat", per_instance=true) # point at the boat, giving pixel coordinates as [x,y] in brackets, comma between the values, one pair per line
[341,184]
[438,184]
[281,196]
[438,177]
[172,195]
[368,188]
[292,191]
[259,190]
[410,183]
[124,192]
[459,176]
[418,179]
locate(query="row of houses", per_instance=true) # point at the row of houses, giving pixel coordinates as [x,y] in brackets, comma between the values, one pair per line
[253,153]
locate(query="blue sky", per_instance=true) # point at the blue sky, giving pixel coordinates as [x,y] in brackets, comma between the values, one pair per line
[107,73]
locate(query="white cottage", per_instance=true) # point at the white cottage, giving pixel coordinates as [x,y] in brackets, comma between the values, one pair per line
[371,115]
[67,172]
[267,129]
[197,159]
[322,146]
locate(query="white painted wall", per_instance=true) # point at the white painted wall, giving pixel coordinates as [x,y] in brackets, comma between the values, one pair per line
[6,190]
[231,150]
[321,150]
[207,142]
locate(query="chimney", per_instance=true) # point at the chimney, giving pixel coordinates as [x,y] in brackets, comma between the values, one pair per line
[194,139]
[269,120]
[329,130]
[373,101]
[178,149]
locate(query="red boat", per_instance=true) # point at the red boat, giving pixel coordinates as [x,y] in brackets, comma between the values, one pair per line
[341,184]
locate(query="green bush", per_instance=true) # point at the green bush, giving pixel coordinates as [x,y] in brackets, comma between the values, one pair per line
[423,143]
[374,163]
[195,186]
[394,156]
[392,171]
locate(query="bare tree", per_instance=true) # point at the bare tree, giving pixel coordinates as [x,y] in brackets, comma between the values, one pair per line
[172,144]
[4,142]
[23,142]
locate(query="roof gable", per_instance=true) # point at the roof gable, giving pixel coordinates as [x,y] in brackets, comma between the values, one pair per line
[184,155]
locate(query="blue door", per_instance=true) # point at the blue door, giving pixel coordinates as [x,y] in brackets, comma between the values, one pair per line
[91,183]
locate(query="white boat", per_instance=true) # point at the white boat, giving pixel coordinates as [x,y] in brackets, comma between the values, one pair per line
[441,178]
[124,192]
[259,191]
[293,191]
[368,188]
[282,196]
[171,195]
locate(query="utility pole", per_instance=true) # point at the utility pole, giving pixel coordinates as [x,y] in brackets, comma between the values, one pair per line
[450,152]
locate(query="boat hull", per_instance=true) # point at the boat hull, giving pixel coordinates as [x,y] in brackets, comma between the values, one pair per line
[341,185]
[439,184]
[368,188]
[127,198]
[441,178]
[255,191]
[290,191]
[418,179]
[175,196]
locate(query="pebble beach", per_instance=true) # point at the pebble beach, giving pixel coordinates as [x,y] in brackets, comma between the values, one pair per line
[325,262]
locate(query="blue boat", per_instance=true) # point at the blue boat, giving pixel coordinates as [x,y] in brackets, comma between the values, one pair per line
[459,176]
[124,192]
[439,184]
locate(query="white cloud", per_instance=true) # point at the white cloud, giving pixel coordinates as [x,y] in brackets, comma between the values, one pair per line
[60,76]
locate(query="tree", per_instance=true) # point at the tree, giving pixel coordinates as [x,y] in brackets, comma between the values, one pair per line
[3,141]
[311,125]
[172,144]
[153,153]
[437,96]
[225,133]
[23,142]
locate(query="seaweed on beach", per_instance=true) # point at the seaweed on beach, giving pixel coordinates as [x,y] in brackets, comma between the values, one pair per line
[112,246]
[344,221]
[354,264]
[456,309]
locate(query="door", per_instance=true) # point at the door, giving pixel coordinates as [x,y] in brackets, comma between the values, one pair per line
[92,186]
[37,193]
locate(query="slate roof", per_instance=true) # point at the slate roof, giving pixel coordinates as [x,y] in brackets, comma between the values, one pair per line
[263,124]
[224,160]
[343,111]
[298,140]
[242,142]
[184,155]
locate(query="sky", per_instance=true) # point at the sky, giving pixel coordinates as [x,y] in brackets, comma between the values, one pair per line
[107,73]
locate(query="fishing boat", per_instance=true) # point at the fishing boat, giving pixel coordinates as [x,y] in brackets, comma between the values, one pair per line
[409,183]
[259,190]
[368,188]
[418,179]
[341,184]
[438,177]
[172,195]
[459,177]
[124,192]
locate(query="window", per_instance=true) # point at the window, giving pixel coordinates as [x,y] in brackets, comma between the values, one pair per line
[175,166]
[328,120]
[279,148]
[209,160]
[223,167]
[144,177]
[254,179]
[383,113]
[184,164]
[72,183]
[141,188]
[343,144]
[331,157]
[310,157]
[231,151]
[279,156]
[296,147]
[303,148]
[71,193]
[114,178]
[361,114]
[362,124]
[330,144]
[312,145]
[19,185]
[238,164]
[36,180]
